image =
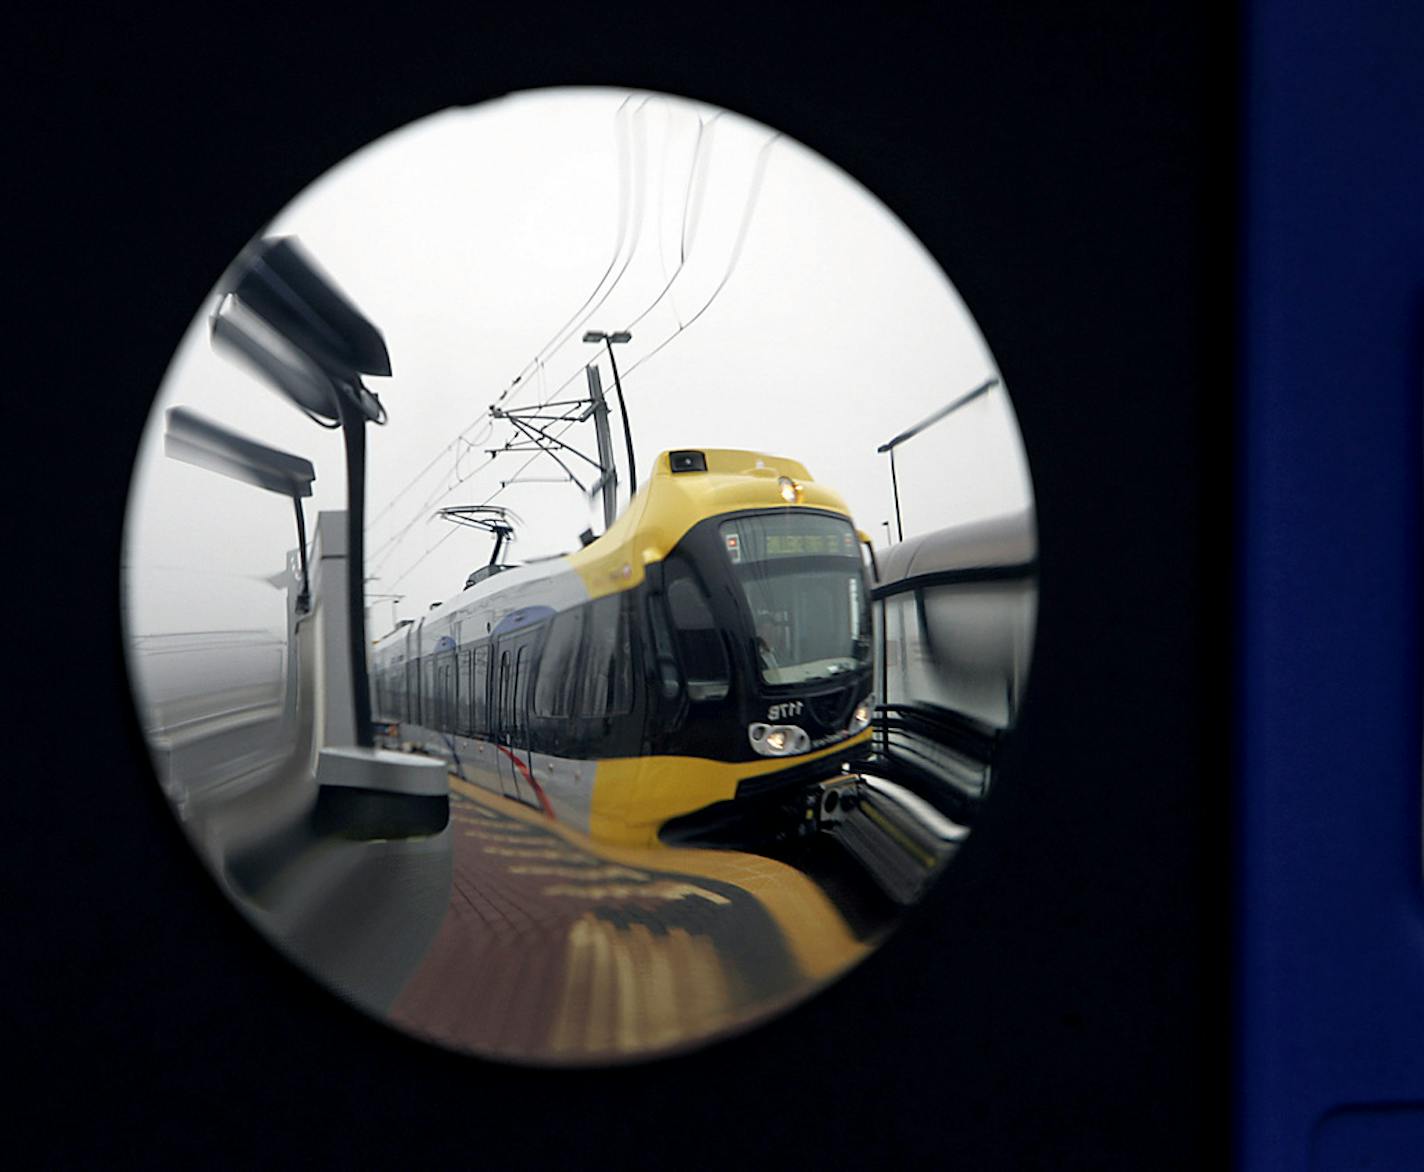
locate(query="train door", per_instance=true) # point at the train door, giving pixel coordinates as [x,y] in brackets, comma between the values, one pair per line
[515,660]
[503,719]
[412,673]
[446,692]
[482,695]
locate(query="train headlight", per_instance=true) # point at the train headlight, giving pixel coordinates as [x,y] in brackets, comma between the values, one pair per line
[860,718]
[778,740]
[790,490]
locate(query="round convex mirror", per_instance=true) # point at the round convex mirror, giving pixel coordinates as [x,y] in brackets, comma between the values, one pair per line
[579,572]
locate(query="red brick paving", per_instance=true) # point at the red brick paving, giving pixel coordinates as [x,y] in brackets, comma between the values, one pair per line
[549,952]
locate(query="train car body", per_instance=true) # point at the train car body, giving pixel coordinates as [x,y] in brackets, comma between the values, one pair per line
[955,611]
[707,655]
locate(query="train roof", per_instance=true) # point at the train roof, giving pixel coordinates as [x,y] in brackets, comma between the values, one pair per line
[1010,539]
[724,480]
[490,599]
[671,502]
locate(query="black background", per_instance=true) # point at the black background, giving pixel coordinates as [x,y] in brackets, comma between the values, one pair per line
[1060,1001]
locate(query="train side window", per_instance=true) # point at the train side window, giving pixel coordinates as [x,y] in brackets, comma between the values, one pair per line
[502,713]
[432,692]
[620,684]
[704,655]
[479,690]
[428,708]
[461,713]
[605,676]
[516,691]
[523,660]
[668,679]
[554,689]
[441,691]
[452,692]
[446,697]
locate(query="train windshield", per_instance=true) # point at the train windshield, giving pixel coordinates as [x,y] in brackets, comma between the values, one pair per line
[801,577]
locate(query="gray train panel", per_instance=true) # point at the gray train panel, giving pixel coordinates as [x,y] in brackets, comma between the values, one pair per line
[955,615]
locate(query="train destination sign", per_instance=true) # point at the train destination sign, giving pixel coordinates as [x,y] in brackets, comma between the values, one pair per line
[758,539]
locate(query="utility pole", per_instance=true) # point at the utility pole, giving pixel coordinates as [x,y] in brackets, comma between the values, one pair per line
[608,482]
[534,423]
[608,340]
[895,488]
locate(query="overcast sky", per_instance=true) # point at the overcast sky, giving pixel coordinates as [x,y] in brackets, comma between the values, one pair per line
[822,328]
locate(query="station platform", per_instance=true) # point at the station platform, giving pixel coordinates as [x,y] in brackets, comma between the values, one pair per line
[557,948]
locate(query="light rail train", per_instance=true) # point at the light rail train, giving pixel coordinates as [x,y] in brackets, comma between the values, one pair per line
[695,667]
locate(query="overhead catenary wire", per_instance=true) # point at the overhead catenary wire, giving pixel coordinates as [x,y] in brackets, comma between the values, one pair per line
[623,185]
[692,177]
[629,175]
[382,552]
[688,209]
[536,361]
[694,182]
[639,204]
[753,194]
[435,460]
[407,572]
[378,553]
[414,565]
[627,211]
[752,197]
[441,490]
[387,548]
[539,364]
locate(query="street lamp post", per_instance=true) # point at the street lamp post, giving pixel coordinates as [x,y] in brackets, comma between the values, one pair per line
[608,340]
[910,433]
[895,488]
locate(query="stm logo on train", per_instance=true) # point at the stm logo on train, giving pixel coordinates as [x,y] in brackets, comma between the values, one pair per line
[782,711]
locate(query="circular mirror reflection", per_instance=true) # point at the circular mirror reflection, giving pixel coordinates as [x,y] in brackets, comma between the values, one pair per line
[579,573]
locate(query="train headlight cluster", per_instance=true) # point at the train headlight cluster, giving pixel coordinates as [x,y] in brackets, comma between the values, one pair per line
[778,740]
[860,718]
[790,490]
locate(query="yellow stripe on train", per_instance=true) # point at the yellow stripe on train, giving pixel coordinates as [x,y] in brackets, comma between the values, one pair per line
[634,796]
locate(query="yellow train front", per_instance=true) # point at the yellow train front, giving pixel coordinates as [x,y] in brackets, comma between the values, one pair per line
[686,676]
